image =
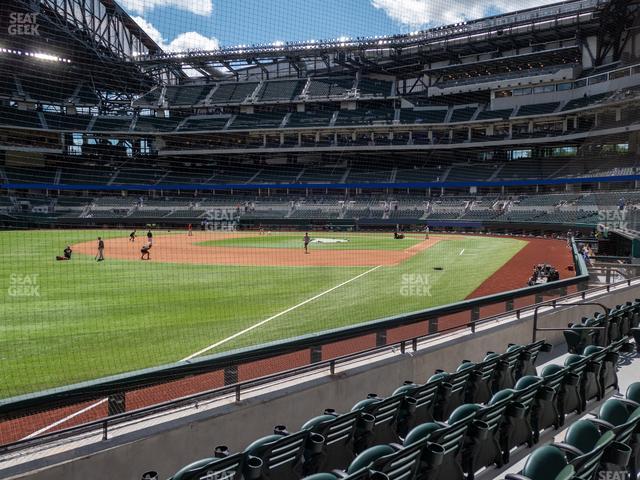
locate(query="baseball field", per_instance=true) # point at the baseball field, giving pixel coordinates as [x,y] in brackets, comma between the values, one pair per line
[69,321]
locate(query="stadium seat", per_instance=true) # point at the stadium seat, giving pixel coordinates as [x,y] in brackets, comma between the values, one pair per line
[389,462]
[383,424]
[451,392]
[484,450]
[338,432]
[633,392]
[517,429]
[450,436]
[549,409]
[282,454]
[588,369]
[422,410]
[238,466]
[480,384]
[622,417]
[584,447]
[545,463]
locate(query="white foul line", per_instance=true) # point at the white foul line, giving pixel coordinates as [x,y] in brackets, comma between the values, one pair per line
[461,252]
[259,324]
[210,347]
[65,419]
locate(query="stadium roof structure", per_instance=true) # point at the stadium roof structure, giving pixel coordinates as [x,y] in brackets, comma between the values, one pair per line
[96,37]
[403,55]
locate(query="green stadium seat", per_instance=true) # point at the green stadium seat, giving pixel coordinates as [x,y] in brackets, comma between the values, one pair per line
[484,450]
[238,466]
[282,454]
[517,430]
[584,447]
[546,463]
[450,436]
[422,410]
[383,427]
[339,433]
[622,417]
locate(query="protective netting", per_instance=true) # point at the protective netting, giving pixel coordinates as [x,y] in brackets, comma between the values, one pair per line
[184,179]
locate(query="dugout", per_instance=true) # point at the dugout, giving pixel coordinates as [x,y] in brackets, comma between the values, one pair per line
[620,243]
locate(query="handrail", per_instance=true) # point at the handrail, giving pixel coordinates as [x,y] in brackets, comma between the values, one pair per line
[86,391]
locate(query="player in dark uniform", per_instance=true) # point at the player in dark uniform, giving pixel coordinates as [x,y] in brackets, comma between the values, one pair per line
[307,239]
[66,254]
[150,238]
[100,255]
[132,236]
[190,230]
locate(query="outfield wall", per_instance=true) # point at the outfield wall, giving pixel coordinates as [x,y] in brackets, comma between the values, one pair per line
[168,445]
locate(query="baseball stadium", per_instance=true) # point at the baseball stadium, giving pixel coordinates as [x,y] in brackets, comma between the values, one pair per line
[339,239]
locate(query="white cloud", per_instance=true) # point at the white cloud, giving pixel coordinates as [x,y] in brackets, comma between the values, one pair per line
[184,41]
[198,7]
[416,13]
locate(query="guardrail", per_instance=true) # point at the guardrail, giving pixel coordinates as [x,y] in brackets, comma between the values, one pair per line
[114,389]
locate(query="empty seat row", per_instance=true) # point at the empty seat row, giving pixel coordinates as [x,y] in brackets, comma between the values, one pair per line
[600,329]
[446,404]
[605,446]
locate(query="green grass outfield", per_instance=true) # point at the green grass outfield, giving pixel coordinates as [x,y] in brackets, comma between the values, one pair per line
[85,319]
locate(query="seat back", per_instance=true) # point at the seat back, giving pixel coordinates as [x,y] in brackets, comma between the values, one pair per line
[507,367]
[401,465]
[547,463]
[585,436]
[338,432]
[623,417]
[236,467]
[529,356]
[482,381]
[281,455]
[386,412]
[422,411]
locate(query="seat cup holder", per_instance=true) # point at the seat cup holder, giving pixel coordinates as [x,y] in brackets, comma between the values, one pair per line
[315,443]
[572,379]
[446,389]
[253,468]
[546,394]
[592,367]
[410,404]
[546,347]
[366,422]
[618,453]
[516,410]
[378,476]
[433,454]
[221,451]
[611,357]
[480,430]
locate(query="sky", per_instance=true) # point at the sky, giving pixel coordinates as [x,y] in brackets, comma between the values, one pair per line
[179,25]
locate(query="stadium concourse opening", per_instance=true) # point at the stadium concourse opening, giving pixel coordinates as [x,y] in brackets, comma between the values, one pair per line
[207,207]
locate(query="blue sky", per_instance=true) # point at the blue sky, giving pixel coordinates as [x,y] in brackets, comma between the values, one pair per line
[184,24]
